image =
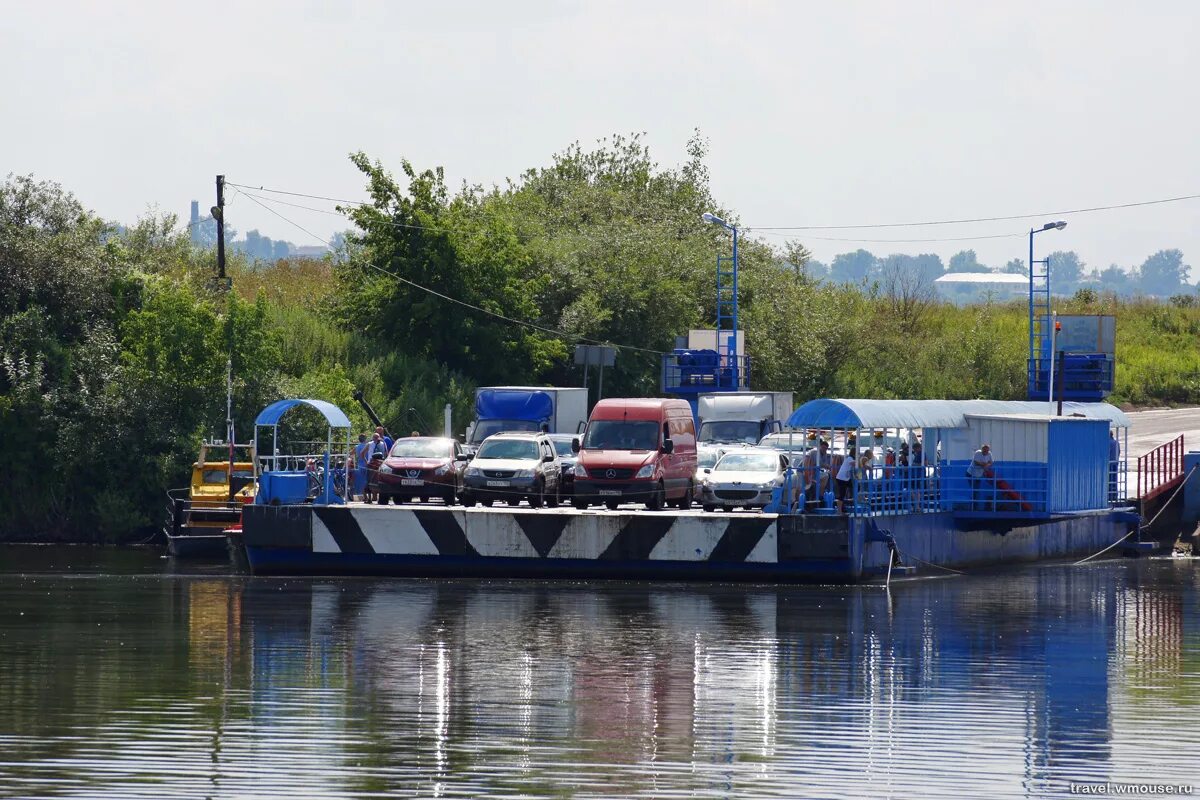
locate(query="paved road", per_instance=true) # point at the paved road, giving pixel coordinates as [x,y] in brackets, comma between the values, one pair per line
[1152,428]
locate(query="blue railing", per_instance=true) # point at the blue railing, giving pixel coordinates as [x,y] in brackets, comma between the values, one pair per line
[895,490]
[688,371]
[1009,489]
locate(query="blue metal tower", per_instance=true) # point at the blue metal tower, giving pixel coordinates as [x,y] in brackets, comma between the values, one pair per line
[689,372]
[1081,360]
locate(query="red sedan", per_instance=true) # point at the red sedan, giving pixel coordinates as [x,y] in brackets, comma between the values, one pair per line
[421,467]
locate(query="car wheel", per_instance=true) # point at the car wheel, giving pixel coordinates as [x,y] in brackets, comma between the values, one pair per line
[611,505]
[709,507]
[580,505]
[383,499]
[486,503]
[727,509]
[451,499]
[553,500]
[685,502]
[658,499]
[539,499]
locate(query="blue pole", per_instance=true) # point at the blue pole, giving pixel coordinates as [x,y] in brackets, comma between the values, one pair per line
[1031,299]
[733,348]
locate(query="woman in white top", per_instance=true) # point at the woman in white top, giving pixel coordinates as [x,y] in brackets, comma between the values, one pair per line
[842,481]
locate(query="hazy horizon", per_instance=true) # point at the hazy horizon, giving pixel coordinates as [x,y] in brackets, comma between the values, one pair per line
[860,113]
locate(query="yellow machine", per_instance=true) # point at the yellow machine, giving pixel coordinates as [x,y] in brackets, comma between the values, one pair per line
[199,522]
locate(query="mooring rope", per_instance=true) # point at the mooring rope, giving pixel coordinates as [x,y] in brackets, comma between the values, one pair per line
[1141,528]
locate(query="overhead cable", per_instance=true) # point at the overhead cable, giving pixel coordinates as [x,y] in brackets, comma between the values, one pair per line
[561,334]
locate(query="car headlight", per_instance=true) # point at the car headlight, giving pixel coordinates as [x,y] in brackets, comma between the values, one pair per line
[523,473]
[579,471]
[385,469]
[646,471]
[472,472]
[442,470]
[767,485]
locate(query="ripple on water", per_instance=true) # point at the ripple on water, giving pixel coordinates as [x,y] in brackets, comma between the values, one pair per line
[139,683]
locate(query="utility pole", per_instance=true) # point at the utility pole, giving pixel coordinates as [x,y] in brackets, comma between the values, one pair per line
[218,213]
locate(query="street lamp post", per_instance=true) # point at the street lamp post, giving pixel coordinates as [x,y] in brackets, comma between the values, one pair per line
[731,351]
[1036,331]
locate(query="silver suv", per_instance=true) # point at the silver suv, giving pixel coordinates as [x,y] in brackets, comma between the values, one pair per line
[511,467]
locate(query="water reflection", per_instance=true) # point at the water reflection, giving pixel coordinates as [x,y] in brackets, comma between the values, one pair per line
[139,684]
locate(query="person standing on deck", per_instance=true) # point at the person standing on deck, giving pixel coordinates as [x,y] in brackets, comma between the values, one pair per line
[816,470]
[843,485]
[362,454]
[383,437]
[981,468]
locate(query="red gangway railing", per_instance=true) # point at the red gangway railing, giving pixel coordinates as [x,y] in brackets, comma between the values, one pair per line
[1160,468]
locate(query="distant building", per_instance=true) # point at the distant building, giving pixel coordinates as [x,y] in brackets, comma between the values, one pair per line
[194,222]
[966,287]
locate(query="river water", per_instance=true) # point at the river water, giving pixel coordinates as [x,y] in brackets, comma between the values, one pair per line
[123,677]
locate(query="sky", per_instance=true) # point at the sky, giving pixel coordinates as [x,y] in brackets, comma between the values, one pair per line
[816,113]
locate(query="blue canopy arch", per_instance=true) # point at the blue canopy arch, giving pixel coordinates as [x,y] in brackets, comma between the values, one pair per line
[859,413]
[334,416]
[330,492]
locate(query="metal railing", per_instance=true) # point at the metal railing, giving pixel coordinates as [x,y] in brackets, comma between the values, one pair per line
[704,372]
[896,490]
[1007,488]
[1160,467]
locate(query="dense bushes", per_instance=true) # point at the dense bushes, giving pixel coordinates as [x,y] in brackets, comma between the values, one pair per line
[113,347]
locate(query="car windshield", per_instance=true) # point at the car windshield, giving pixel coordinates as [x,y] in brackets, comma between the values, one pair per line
[563,447]
[422,448]
[730,431]
[747,462]
[489,427]
[615,434]
[523,449]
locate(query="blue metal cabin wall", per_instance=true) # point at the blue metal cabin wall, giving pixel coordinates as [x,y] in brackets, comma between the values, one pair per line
[1078,465]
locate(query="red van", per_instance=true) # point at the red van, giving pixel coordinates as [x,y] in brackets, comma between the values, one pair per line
[640,451]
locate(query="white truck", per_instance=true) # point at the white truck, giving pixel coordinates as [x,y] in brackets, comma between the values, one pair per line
[527,408]
[740,417]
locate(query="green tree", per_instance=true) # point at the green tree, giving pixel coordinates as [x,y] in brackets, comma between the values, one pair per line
[857,267]
[1066,271]
[1164,273]
[966,261]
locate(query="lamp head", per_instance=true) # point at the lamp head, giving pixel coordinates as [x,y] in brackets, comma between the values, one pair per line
[712,219]
[1055,225]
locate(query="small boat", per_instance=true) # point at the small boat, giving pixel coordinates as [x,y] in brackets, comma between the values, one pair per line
[199,515]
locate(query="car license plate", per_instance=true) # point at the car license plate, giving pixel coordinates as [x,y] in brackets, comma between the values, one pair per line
[497,483]
[411,482]
[610,491]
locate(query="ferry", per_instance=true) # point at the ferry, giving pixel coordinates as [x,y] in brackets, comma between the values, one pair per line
[1052,492]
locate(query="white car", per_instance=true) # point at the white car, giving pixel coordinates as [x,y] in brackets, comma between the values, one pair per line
[707,455]
[744,478]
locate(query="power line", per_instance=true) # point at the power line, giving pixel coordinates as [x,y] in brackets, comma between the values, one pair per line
[839,227]
[756,230]
[975,219]
[561,334]
[895,241]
